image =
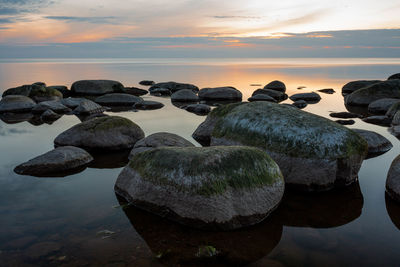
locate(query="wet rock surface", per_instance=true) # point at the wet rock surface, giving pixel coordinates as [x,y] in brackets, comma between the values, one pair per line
[55,162]
[200,186]
[377,144]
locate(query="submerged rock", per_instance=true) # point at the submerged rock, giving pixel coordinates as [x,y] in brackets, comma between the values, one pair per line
[118,99]
[344,115]
[278,96]
[394,76]
[158,140]
[148,105]
[146,82]
[184,95]
[102,133]
[88,107]
[134,91]
[377,144]
[96,87]
[220,93]
[350,87]
[173,87]
[310,97]
[277,86]
[55,106]
[381,106]
[56,161]
[214,187]
[313,153]
[366,95]
[198,109]
[327,91]
[261,97]
[393,180]
[16,104]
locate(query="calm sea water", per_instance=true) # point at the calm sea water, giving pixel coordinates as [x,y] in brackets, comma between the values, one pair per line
[78,220]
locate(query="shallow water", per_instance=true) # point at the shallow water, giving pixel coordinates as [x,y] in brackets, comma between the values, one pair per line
[61,221]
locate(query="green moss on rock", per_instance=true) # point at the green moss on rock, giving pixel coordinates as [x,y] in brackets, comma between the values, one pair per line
[282,129]
[207,170]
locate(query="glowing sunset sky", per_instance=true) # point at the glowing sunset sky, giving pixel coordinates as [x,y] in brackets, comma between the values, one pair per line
[137,26]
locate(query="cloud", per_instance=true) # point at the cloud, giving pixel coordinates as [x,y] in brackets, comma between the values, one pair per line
[5,20]
[96,20]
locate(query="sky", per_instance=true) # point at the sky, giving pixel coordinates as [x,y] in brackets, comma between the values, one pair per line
[199,28]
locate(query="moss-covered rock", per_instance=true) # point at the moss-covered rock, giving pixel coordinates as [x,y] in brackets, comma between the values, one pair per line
[37,91]
[376,91]
[225,187]
[102,133]
[314,153]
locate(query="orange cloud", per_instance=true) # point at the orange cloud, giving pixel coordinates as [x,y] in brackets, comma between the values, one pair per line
[317,35]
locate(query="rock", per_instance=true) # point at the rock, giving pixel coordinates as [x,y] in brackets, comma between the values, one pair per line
[62,89]
[36,91]
[276,86]
[83,118]
[366,95]
[148,105]
[24,90]
[220,93]
[118,99]
[198,109]
[72,102]
[300,104]
[146,82]
[379,120]
[88,107]
[394,76]
[344,115]
[278,96]
[313,152]
[377,144]
[16,104]
[102,133]
[55,106]
[395,130]
[173,87]
[158,140]
[381,106]
[160,92]
[56,161]
[134,91]
[393,110]
[204,187]
[12,118]
[327,91]
[261,97]
[50,116]
[345,122]
[396,119]
[184,95]
[350,87]
[393,180]
[96,87]
[306,97]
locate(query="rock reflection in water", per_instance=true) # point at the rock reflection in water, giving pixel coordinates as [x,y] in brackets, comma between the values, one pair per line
[393,209]
[12,118]
[174,244]
[109,159]
[321,210]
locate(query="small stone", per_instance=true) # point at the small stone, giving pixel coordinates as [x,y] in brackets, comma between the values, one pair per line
[327,91]
[344,115]
[277,86]
[310,97]
[146,82]
[345,122]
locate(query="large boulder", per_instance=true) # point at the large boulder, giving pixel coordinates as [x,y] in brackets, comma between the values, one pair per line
[173,87]
[313,152]
[102,133]
[394,76]
[184,95]
[55,106]
[393,180]
[37,91]
[96,87]
[118,99]
[381,106]
[16,104]
[350,87]
[55,162]
[158,140]
[212,187]
[276,85]
[220,93]
[366,95]
[377,144]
